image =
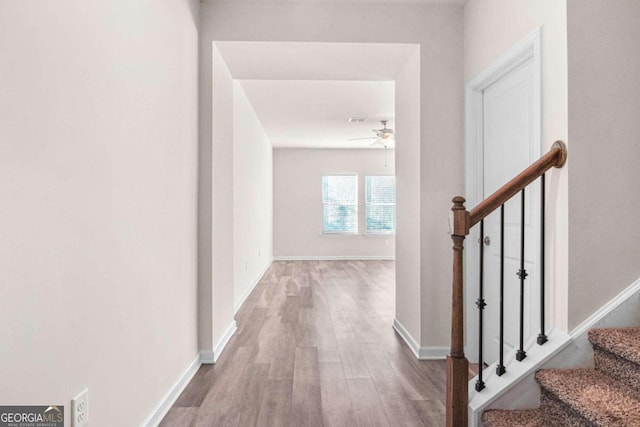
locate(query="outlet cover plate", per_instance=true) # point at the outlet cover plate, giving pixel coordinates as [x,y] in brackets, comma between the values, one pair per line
[80,409]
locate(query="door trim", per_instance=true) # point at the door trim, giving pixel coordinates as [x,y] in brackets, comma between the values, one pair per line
[527,49]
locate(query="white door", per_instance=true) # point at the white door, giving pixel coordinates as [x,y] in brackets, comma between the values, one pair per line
[509,146]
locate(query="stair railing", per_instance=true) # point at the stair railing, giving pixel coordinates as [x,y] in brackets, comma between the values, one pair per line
[461,222]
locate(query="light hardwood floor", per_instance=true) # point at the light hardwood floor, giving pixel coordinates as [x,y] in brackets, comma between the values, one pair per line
[315,347]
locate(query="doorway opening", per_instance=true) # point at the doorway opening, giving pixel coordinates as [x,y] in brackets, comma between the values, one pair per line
[288,133]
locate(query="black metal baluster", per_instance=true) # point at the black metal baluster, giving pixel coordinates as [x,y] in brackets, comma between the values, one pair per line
[522,274]
[542,337]
[500,369]
[481,305]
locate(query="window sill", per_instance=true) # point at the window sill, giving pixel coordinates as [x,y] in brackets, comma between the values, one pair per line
[339,234]
[385,235]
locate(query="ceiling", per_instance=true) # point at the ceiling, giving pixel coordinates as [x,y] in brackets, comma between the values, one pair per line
[315,61]
[304,93]
[314,114]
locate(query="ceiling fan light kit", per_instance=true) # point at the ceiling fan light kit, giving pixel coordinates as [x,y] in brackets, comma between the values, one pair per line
[385,137]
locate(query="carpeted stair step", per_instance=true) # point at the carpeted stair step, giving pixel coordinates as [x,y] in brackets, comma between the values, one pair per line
[616,352]
[586,397]
[512,418]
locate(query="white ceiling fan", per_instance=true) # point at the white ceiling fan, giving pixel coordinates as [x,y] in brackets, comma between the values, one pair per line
[385,137]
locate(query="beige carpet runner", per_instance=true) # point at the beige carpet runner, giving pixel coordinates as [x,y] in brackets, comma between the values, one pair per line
[608,395]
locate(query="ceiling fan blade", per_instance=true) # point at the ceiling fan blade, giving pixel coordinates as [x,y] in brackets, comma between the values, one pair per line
[355,139]
[377,142]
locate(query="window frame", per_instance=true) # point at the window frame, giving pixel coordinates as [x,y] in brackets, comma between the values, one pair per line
[366,208]
[355,204]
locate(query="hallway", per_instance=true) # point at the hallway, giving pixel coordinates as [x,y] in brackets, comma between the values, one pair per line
[315,347]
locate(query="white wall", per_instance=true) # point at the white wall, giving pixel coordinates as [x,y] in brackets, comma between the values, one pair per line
[491,28]
[408,259]
[236,203]
[297,188]
[589,58]
[604,106]
[216,204]
[253,197]
[98,188]
[438,31]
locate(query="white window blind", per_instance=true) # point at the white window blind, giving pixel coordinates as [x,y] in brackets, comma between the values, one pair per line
[380,200]
[340,204]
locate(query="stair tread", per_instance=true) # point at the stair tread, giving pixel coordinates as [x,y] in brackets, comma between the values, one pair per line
[624,342]
[593,394]
[513,418]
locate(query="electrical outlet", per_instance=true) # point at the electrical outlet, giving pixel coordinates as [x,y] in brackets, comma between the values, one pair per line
[80,409]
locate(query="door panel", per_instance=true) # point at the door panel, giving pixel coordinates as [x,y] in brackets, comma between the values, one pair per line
[508,148]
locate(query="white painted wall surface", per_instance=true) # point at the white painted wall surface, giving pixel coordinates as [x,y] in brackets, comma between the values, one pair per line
[408,289]
[297,189]
[253,197]
[604,106]
[98,188]
[438,31]
[491,28]
[220,197]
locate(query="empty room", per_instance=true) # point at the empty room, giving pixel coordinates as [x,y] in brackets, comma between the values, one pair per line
[319,213]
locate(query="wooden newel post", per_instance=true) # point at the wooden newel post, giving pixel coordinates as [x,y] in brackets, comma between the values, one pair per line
[457,364]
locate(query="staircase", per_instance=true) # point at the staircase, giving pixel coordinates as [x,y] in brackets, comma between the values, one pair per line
[608,395]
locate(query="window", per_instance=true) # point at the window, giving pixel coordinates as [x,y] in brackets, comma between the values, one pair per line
[380,199]
[340,204]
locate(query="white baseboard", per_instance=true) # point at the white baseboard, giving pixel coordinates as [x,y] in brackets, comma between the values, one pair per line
[620,311]
[433,353]
[421,353]
[208,356]
[246,294]
[172,395]
[406,336]
[334,257]
[599,315]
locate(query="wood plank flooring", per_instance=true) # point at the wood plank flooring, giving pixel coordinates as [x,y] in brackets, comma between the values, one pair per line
[315,347]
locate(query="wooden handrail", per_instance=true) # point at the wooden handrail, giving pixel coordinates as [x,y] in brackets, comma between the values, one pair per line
[556,157]
[463,220]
